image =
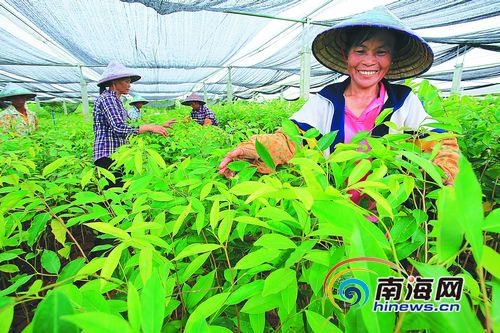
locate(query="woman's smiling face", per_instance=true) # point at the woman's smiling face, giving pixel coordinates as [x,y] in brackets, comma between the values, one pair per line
[369,62]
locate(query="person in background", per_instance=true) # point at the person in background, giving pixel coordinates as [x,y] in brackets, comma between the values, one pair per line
[134,111]
[16,119]
[200,113]
[371,48]
[111,128]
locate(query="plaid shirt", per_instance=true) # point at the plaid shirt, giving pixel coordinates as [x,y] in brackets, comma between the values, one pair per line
[202,113]
[110,125]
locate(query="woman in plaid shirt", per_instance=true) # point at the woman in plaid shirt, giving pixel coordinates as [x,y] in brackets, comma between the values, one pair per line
[111,129]
[202,114]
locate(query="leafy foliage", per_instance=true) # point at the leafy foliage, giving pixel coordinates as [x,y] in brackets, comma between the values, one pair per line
[181,248]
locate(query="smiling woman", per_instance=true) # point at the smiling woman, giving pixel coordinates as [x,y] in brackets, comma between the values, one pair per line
[371,48]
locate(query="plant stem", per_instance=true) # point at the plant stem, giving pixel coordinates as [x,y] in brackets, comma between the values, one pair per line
[399,323]
[485,298]
[61,222]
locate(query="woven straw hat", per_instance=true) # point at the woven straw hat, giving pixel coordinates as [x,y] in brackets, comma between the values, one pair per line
[413,56]
[12,89]
[138,99]
[194,97]
[115,71]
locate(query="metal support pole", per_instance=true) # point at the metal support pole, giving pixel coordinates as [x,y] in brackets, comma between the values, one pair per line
[37,101]
[457,75]
[305,65]
[65,107]
[229,86]
[282,97]
[205,97]
[85,97]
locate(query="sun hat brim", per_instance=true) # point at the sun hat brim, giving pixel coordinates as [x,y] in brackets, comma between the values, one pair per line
[194,97]
[144,102]
[7,96]
[187,103]
[104,82]
[12,89]
[412,57]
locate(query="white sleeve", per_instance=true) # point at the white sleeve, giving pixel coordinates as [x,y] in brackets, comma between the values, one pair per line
[410,115]
[317,112]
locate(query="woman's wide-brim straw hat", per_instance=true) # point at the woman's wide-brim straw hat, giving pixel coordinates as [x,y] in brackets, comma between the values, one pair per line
[413,56]
[12,89]
[138,99]
[116,71]
[194,97]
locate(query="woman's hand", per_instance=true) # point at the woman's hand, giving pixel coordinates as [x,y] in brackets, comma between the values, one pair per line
[231,156]
[153,128]
[169,122]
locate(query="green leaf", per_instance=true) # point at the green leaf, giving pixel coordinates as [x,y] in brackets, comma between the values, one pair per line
[180,219]
[59,231]
[106,228]
[264,154]
[225,228]
[111,263]
[134,308]
[320,324]
[492,221]
[490,261]
[50,261]
[86,197]
[146,263]
[312,133]
[206,309]
[54,166]
[449,232]
[49,314]
[245,292]
[382,115]
[326,140]
[359,171]
[157,158]
[250,187]
[138,162]
[275,213]
[152,304]
[193,266]
[469,203]
[9,268]
[275,241]
[257,322]
[98,322]
[205,190]
[256,258]
[12,288]
[214,214]
[382,203]
[424,164]
[278,280]
[238,165]
[259,304]
[379,322]
[346,155]
[196,249]
[199,290]
[6,315]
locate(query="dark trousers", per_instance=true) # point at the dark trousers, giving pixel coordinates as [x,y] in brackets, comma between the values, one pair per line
[105,163]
